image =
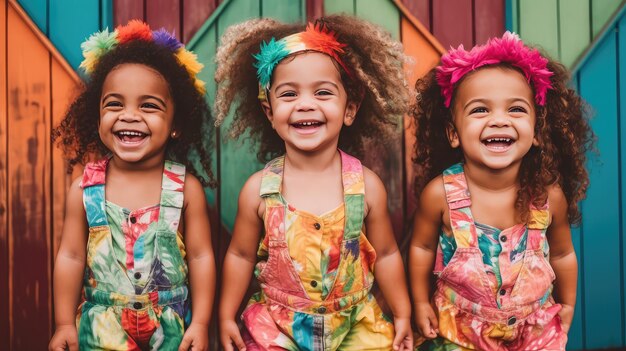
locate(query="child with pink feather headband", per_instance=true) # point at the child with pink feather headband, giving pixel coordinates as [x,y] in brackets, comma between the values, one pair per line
[136,244]
[500,164]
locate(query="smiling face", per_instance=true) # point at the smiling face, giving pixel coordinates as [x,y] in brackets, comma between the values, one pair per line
[308,104]
[136,114]
[494,118]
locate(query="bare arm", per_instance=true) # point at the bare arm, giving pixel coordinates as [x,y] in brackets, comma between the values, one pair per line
[388,269]
[201,262]
[69,268]
[240,259]
[428,219]
[562,256]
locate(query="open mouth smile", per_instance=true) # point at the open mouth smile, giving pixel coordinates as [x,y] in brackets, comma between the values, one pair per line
[498,144]
[130,136]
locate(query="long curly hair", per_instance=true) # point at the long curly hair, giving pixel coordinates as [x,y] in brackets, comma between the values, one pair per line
[78,135]
[378,81]
[562,130]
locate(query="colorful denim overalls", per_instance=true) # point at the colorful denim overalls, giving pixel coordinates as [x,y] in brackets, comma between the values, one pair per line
[316,273]
[135,284]
[506,305]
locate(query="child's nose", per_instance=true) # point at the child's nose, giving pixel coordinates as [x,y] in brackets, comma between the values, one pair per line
[129,115]
[306,103]
[499,120]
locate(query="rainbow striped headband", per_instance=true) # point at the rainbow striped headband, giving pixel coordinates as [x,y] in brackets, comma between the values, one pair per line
[314,38]
[103,42]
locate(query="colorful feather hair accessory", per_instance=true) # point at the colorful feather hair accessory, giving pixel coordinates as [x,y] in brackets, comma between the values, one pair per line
[315,38]
[509,49]
[101,43]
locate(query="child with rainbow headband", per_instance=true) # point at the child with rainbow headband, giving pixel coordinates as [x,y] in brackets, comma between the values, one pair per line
[302,220]
[136,238]
[500,164]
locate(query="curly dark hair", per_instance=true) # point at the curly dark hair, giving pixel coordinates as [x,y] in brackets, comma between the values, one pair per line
[562,130]
[378,81]
[78,135]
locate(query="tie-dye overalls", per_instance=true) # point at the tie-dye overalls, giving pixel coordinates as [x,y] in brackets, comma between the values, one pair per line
[316,273]
[497,298]
[135,284]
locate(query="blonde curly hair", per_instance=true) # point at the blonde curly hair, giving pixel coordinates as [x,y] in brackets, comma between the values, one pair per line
[378,81]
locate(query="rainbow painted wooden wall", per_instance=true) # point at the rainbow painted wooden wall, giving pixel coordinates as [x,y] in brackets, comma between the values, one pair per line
[39,41]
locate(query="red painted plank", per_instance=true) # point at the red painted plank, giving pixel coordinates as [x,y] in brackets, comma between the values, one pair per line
[28,146]
[314,9]
[195,13]
[421,10]
[5,339]
[125,10]
[488,19]
[452,22]
[164,14]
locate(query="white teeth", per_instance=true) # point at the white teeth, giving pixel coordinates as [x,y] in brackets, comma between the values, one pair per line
[491,140]
[307,124]
[130,133]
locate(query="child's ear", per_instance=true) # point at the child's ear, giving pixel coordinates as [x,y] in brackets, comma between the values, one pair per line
[267,109]
[351,109]
[453,136]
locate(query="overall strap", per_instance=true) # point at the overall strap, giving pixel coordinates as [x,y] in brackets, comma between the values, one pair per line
[538,223]
[171,203]
[458,198]
[94,199]
[271,183]
[353,194]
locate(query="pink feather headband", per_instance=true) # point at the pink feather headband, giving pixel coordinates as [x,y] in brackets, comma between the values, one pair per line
[456,63]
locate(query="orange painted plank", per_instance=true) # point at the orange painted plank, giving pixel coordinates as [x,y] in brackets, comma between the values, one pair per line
[28,147]
[5,339]
[425,56]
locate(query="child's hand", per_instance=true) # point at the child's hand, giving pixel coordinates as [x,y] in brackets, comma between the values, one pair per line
[567,314]
[404,336]
[229,333]
[65,338]
[196,338]
[426,320]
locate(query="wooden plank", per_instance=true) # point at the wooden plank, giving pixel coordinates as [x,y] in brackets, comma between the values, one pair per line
[426,56]
[602,287]
[420,9]
[38,12]
[71,21]
[601,12]
[28,120]
[621,52]
[5,336]
[510,14]
[195,12]
[283,10]
[314,9]
[538,21]
[452,22]
[574,29]
[106,14]
[382,12]
[334,6]
[164,14]
[488,20]
[125,10]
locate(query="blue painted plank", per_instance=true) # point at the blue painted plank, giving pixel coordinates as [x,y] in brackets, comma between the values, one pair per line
[71,22]
[38,12]
[106,14]
[601,227]
[621,25]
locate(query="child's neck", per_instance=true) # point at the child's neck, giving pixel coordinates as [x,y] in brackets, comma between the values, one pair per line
[311,161]
[490,179]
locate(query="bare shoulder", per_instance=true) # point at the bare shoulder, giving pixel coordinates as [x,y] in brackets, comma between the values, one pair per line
[193,189]
[250,194]
[432,201]
[375,192]
[557,202]
[75,193]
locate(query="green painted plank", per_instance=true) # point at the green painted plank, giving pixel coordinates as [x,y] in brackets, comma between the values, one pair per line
[601,12]
[538,21]
[621,26]
[71,22]
[339,6]
[601,245]
[575,31]
[382,12]
[284,10]
[37,10]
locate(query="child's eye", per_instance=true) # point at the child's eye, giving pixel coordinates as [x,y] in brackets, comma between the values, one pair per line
[287,94]
[324,92]
[150,105]
[478,110]
[517,109]
[113,104]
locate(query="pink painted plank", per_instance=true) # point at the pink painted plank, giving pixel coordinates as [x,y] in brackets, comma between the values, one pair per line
[452,22]
[488,19]
[164,14]
[195,13]
[125,10]
[421,10]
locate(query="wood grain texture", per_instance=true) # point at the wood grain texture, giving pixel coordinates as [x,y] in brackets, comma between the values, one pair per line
[453,22]
[164,14]
[5,335]
[125,10]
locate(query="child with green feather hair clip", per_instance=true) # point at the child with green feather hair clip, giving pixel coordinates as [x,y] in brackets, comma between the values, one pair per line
[138,256]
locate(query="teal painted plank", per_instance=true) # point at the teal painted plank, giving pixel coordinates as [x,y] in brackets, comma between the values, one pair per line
[538,24]
[575,29]
[339,6]
[510,14]
[106,14]
[621,26]
[71,22]
[601,12]
[382,12]
[284,10]
[38,11]
[601,227]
